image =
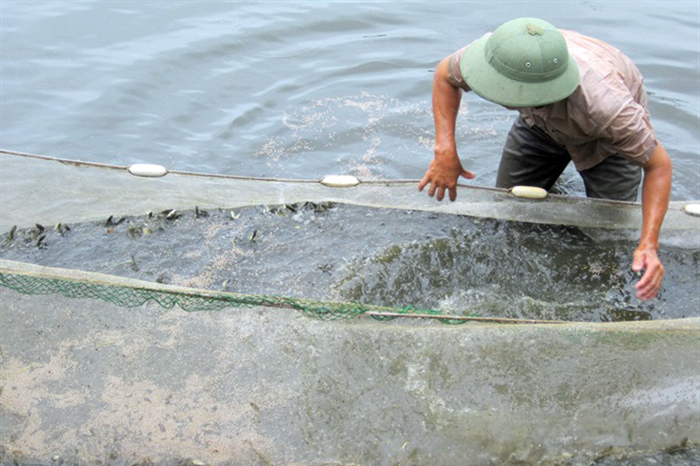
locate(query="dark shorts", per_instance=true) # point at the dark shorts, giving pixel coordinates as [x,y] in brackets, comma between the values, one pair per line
[532,158]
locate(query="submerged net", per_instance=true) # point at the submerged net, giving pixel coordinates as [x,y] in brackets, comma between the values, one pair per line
[33,280]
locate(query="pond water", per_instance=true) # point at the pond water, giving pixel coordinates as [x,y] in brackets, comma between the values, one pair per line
[302,89]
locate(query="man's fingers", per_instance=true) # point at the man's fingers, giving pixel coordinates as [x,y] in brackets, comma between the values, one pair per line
[441,193]
[639,262]
[468,175]
[453,194]
[648,286]
[431,189]
[650,283]
[442,176]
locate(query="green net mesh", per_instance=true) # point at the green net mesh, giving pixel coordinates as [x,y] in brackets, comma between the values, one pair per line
[129,296]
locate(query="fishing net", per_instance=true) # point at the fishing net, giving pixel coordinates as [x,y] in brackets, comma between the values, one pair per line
[85,372]
[84,192]
[33,280]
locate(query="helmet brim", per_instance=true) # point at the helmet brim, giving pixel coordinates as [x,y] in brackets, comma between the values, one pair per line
[483,79]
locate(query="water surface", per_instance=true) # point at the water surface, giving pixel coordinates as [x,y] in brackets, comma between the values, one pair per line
[301,89]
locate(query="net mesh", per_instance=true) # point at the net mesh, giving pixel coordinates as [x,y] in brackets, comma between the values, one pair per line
[128,296]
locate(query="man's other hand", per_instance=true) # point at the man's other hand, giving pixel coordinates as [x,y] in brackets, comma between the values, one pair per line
[442,175]
[648,286]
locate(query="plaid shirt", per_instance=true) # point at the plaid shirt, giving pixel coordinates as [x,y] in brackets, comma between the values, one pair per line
[606,115]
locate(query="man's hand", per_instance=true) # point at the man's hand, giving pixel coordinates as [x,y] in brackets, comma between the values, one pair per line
[442,174]
[646,259]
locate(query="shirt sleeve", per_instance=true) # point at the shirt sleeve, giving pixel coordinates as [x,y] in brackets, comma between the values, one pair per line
[454,74]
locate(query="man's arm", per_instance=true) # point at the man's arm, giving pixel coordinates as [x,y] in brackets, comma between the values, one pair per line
[446,167]
[656,193]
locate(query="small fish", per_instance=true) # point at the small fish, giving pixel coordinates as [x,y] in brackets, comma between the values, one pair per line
[291,207]
[11,234]
[325,268]
[39,240]
[134,265]
[200,213]
[119,221]
[134,232]
[322,207]
[253,236]
[235,216]
[109,222]
[59,229]
[281,211]
[40,227]
[172,214]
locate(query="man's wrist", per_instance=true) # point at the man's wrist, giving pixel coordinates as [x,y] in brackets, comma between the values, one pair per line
[648,244]
[445,151]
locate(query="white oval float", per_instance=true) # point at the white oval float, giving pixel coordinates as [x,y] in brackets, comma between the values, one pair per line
[528,192]
[692,209]
[340,181]
[147,170]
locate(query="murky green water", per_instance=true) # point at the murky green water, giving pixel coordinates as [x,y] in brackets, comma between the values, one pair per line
[453,263]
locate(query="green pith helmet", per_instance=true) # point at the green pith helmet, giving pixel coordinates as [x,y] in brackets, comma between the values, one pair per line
[524,63]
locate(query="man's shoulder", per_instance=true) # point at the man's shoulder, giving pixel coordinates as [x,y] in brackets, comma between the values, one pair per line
[587,48]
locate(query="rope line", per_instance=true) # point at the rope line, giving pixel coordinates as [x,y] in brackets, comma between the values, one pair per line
[79,163]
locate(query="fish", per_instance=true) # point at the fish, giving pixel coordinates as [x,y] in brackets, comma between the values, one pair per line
[200,213]
[11,234]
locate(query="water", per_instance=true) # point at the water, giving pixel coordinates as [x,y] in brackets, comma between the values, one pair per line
[301,89]
[304,89]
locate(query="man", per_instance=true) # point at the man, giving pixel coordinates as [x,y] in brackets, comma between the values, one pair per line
[579,99]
